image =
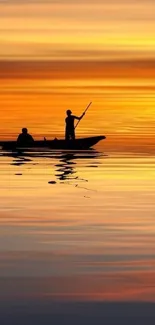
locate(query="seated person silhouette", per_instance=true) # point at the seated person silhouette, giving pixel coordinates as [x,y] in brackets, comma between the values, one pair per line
[25,139]
[70,129]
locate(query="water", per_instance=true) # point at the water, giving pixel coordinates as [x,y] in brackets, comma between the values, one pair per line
[77,227]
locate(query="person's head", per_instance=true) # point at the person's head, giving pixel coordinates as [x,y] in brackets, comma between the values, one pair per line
[68,112]
[24,130]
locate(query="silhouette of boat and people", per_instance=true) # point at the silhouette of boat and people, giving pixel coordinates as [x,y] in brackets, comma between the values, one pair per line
[26,140]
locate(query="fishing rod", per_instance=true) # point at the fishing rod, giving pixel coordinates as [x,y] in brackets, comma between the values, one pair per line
[83,114]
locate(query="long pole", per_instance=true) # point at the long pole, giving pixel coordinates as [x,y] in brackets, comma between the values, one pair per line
[83,114]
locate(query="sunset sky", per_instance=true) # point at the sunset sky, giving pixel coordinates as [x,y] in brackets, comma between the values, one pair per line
[56,55]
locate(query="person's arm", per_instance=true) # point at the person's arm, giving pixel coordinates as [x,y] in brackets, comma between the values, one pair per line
[31,138]
[82,115]
[79,117]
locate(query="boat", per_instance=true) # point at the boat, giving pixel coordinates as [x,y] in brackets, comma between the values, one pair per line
[77,144]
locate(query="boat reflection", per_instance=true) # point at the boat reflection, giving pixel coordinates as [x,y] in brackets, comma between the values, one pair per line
[66,164]
[70,163]
[66,167]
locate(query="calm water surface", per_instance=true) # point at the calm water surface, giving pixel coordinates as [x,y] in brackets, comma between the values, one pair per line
[77,226]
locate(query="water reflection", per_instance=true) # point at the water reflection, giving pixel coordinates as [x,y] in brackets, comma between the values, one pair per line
[64,163]
[18,161]
[66,167]
[94,227]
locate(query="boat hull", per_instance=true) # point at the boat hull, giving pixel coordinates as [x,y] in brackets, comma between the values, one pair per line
[78,144]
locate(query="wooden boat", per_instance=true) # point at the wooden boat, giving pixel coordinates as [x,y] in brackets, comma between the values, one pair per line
[78,144]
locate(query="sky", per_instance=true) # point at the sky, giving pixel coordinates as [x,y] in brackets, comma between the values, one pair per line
[84,30]
[56,55]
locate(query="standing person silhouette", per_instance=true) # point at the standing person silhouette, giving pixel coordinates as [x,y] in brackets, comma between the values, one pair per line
[70,129]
